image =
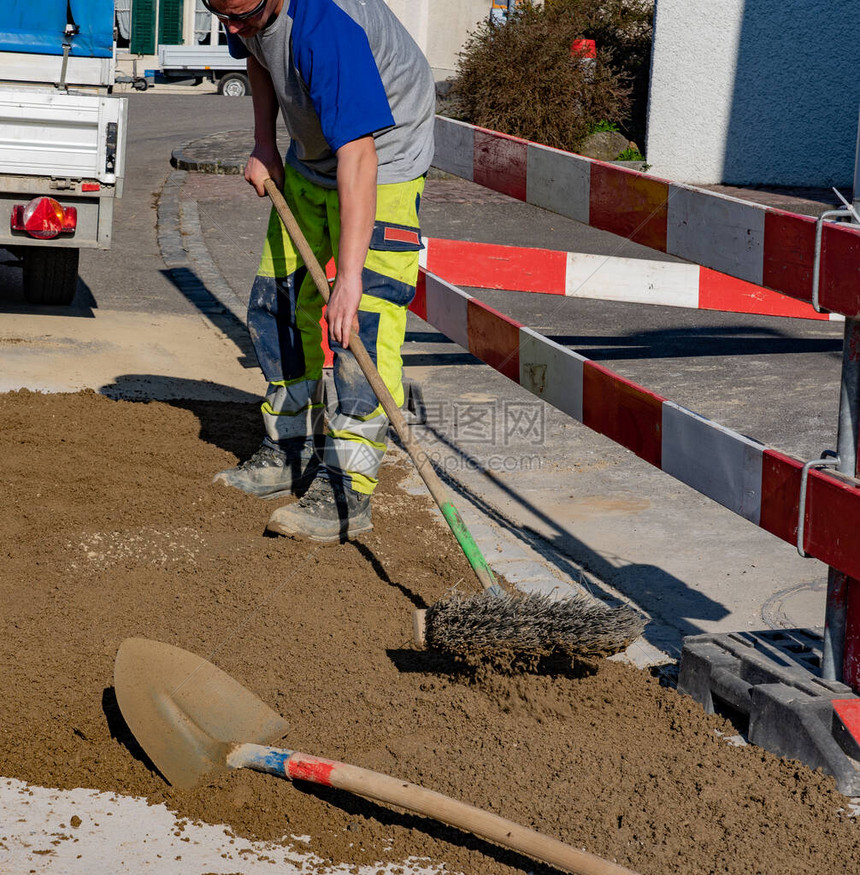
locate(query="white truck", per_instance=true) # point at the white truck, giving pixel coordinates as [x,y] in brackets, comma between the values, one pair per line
[195,63]
[62,147]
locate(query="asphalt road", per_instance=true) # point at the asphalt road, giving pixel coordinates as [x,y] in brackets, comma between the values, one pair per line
[130,276]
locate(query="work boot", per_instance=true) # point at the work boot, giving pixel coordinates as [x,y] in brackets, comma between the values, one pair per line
[328,511]
[273,472]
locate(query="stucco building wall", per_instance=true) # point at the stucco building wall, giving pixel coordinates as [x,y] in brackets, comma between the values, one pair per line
[441,27]
[755,91]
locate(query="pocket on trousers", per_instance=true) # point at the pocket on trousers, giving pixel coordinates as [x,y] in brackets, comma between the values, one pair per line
[392,262]
[391,237]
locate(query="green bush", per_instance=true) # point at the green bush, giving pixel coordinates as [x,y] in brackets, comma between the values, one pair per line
[630,154]
[602,125]
[518,76]
[625,28]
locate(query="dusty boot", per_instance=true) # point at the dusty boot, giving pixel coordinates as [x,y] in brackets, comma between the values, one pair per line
[328,511]
[273,473]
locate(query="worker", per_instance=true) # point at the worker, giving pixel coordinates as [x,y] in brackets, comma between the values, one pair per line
[358,99]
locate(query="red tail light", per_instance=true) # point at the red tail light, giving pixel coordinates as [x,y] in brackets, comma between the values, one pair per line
[44,218]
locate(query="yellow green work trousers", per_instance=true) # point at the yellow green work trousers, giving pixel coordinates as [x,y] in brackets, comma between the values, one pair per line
[284,321]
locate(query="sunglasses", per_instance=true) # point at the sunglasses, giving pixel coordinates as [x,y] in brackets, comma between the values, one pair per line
[242,16]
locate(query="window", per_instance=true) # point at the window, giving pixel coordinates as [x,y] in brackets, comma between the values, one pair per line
[123,23]
[142,40]
[170,22]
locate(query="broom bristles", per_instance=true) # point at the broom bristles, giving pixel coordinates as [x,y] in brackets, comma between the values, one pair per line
[532,623]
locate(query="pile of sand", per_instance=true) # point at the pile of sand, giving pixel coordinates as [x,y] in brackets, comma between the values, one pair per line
[111,529]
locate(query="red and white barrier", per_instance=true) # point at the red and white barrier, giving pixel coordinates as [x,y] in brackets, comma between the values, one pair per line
[757,244]
[756,482]
[605,277]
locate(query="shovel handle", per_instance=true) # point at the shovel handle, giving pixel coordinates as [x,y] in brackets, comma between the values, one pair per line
[297,766]
[419,458]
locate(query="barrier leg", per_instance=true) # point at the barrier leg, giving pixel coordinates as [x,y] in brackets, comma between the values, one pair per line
[851,655]
[841,649]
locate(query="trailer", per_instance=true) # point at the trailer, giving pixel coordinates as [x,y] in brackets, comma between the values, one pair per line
[62,152]
[213,62]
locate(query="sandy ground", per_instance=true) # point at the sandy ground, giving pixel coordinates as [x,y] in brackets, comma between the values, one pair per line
[113,530]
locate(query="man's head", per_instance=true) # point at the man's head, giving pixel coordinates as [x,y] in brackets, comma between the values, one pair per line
[244,17]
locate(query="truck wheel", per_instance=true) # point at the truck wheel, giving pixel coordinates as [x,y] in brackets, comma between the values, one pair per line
[50,274]
[234,85]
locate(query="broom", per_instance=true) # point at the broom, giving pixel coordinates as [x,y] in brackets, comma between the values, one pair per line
[494,619]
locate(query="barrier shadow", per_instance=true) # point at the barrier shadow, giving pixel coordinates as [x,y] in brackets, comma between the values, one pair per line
[697,342]
[428,359]
[452,355]
[674,606]
[689,342]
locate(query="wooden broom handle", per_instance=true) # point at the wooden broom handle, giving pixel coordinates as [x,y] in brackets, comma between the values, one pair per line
[373,785]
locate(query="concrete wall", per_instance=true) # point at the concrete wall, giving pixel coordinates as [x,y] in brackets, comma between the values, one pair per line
[441,27]
[755,91]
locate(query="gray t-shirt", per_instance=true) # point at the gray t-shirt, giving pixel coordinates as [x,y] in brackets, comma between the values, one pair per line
[343,69]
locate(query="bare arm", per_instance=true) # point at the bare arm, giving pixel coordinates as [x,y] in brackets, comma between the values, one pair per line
[265,160]
[356,188]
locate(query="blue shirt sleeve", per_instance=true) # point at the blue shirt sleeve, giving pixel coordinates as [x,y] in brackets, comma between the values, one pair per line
[236,47]
[334,58]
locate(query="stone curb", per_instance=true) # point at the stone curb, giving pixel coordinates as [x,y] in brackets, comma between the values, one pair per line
[181,161]
[191,268]
[204,266]
[222,153]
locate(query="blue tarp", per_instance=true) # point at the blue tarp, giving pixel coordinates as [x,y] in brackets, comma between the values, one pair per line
[38,27]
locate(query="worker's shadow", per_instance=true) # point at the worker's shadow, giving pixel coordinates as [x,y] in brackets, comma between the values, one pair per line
[229,418]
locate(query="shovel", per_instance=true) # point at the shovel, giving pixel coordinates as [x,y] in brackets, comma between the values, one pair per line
[195,722]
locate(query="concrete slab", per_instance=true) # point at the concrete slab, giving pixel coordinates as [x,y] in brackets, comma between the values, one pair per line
[78,832]
[124,354]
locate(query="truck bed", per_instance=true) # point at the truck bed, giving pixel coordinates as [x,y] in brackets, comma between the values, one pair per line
[174,59]
[58,134]
[26,68]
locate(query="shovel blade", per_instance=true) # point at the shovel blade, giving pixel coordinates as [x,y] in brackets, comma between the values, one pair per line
[186,713]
